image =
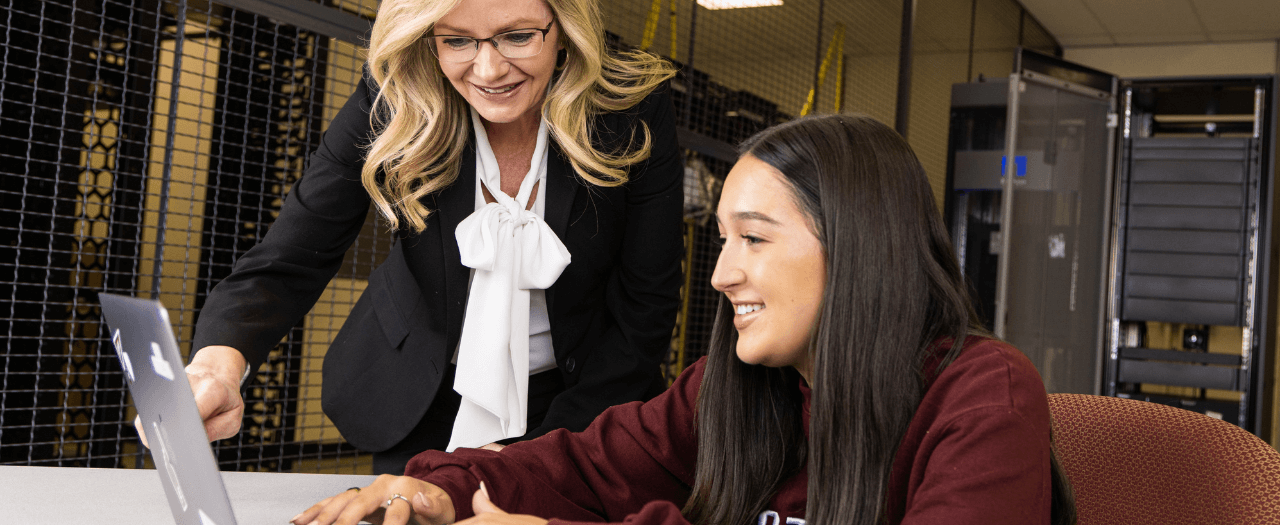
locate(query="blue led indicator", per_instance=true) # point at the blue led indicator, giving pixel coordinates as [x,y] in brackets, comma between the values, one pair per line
[1019,160]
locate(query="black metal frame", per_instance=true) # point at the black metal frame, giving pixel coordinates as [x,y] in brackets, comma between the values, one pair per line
[902,110]
[311,16]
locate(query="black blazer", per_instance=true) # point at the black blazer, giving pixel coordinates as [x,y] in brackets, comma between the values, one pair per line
[611,311]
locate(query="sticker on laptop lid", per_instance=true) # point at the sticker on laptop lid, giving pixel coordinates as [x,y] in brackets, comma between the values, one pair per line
[124,358]
[162,367]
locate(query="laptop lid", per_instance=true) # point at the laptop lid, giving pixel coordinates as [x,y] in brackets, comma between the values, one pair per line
[143,338]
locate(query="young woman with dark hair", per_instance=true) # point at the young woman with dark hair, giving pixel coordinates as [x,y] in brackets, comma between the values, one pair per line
[834,391]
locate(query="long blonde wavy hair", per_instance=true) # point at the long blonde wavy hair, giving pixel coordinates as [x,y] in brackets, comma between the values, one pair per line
[422,122]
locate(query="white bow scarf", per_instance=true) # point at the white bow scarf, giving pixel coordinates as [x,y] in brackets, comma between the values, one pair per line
[512,251]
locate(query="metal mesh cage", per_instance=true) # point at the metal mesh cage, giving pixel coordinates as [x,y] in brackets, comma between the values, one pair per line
[957,42]
[147,146]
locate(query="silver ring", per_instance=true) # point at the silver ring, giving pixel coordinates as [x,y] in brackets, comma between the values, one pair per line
[393,498]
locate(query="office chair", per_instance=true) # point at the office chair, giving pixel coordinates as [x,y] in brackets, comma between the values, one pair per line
[1133,462]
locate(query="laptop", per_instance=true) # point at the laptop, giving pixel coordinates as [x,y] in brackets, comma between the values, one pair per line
[143,338]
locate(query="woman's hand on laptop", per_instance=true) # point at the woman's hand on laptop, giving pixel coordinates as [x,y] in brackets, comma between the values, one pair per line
[214,375]
[390,500]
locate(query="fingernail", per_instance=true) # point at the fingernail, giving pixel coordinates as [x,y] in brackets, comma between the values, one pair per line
[485,491]
[419,499]
[295,518]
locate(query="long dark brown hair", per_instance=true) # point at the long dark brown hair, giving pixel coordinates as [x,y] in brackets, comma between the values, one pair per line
[893,289]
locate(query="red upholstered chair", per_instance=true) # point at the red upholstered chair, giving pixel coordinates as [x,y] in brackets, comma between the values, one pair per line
[1133,462]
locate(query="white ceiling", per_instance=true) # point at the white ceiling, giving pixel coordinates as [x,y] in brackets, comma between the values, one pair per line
[1078,23]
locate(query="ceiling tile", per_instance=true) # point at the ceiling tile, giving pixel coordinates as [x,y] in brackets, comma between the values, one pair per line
[1147,17]
[1064,18]
[1239,15]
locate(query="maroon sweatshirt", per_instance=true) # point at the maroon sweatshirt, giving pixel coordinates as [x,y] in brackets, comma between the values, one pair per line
[977,451]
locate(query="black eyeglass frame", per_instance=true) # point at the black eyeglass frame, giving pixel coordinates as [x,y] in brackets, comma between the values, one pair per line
[491,42]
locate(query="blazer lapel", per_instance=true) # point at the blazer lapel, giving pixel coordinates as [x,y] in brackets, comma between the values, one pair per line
[562,189]
[456,203]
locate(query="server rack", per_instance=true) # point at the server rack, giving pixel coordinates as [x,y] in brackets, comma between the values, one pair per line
[1028,203]
[1192,241]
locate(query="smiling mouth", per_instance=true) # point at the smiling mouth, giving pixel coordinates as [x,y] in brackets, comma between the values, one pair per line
[744,309]
[498,91]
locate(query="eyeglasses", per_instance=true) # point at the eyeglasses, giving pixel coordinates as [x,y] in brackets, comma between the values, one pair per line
[519,43]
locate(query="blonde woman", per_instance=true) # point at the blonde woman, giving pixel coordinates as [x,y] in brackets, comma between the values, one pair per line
[534,187]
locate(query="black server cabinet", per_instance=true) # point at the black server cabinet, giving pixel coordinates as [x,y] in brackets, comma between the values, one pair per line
[1028,192]
[1193,231]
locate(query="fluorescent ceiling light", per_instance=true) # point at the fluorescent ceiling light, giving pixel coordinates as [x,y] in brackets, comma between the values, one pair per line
[735,4]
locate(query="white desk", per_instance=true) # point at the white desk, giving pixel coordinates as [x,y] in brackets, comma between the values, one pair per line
[49,495]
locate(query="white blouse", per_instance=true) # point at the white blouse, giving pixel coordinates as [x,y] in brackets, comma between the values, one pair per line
[506,334]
